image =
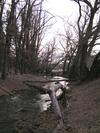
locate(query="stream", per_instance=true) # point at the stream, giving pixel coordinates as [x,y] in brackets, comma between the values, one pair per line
[25,100]
[32,101]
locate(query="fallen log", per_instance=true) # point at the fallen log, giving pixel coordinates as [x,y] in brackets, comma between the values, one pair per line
[55,105]
[51,89]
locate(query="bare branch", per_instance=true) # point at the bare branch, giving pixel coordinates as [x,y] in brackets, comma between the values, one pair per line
[80,15]
[87,2]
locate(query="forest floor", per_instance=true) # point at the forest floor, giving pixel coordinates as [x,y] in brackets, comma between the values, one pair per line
[82,114]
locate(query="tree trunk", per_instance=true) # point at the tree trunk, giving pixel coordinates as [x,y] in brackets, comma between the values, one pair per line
[95,68]
[3,72]
[1,33]
[64,66]
[75,69]
[79,68]
[83,63]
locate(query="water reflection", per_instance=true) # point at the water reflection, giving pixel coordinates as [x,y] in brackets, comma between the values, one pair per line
[64,83]
[32,101]
[46,102]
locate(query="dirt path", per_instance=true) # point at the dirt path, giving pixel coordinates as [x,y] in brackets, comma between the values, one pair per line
[84,113]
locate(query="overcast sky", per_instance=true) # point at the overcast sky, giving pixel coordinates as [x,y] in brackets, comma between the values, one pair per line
[66,9]
[61,7]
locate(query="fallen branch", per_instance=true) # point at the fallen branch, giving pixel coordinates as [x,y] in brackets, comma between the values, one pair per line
[47,81]
[5,90]
[51,89]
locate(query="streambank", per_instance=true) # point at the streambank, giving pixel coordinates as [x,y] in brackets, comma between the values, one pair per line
[23,109]
[84,113]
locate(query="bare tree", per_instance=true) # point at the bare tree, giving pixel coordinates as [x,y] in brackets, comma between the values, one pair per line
[48,57]
[25,22]
[68,41]
[88,32]
[34,21]
[2,37]
[9,34]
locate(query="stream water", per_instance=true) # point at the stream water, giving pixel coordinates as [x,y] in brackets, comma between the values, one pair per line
[45,99]
[23,101]
[30,100]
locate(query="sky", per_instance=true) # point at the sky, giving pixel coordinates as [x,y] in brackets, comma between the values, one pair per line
[66,9]
[61,7]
